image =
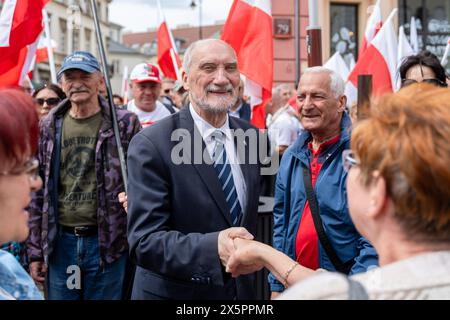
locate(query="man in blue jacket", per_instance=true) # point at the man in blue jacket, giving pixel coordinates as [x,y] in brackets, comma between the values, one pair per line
[324,236]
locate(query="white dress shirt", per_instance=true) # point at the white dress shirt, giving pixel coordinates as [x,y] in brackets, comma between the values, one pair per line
[206,131]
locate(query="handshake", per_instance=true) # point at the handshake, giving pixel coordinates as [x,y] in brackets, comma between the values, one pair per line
[238,252]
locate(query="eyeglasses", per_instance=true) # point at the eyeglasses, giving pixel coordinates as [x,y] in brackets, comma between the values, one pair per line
[31,168]
[348,160]
[49,101]
[435,82]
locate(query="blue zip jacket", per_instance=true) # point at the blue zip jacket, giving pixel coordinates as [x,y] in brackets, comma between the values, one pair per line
[331,193]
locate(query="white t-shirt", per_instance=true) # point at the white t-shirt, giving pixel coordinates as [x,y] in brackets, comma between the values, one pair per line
[284,128]
[148,118]
[421,277]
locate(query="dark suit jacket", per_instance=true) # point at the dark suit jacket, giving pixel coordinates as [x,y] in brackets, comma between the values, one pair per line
[175,213]
[245,112]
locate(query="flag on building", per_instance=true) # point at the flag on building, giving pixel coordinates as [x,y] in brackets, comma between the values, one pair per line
[374,24]
[338,65]
[413,38]
[20,26]
[168,59]
[379,59]
[248,30]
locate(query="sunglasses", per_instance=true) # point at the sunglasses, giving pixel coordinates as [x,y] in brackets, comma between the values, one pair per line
[435,82]
[49,101]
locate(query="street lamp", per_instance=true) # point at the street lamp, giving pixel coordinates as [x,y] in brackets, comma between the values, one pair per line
[193,5]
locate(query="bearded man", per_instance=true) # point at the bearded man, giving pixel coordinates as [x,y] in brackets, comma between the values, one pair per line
[184,213]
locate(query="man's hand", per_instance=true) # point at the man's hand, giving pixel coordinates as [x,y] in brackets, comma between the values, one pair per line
[245,258]
[124,200]
[225,241]
[38,270]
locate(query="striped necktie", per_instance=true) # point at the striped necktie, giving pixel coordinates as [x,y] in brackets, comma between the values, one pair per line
[223,169]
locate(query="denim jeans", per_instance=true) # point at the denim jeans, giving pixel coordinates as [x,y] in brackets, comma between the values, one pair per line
[75,273]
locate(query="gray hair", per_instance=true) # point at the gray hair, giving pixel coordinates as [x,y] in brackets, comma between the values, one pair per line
[187,59]
[337,84]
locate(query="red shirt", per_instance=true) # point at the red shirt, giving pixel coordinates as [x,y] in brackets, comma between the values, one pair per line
[306,240]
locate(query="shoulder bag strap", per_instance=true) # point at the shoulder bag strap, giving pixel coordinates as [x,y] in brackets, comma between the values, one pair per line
[323,238]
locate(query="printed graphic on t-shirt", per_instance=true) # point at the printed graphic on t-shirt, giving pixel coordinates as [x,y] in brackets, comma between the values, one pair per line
[78,183]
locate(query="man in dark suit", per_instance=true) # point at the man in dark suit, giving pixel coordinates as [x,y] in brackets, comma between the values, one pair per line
[193,187]
[241,109]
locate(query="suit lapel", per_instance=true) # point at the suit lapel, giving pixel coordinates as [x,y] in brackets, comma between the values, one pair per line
[204,170]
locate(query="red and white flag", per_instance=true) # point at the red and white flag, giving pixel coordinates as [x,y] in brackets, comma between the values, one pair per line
[248,30]
[373,26]
[42,49]
[168,59]
[20,26]
[379,59]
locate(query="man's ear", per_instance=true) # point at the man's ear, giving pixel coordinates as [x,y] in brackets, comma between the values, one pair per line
[342,103]
[184,76]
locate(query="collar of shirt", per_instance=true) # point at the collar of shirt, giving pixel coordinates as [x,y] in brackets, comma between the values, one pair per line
[206,129]
[323,145]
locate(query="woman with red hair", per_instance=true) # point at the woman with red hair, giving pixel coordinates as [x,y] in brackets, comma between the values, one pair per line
[18,178]
[398,189]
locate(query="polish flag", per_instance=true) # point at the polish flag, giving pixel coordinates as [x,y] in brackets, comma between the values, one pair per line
[248,30]
[168,59]
[20,26]
[373,26]
[338,65]
[404,50]
[42,49]
[379,59]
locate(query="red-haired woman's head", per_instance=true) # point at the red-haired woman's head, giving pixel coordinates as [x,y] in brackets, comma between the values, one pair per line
[19,128]
[18,168]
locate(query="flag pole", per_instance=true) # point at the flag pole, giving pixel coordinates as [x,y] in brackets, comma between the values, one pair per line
[51,58]
[123,168]
[314,36]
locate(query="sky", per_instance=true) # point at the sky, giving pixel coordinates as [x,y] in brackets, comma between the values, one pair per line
[140,15]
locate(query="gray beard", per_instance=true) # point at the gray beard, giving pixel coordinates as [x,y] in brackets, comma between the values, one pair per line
[221,107]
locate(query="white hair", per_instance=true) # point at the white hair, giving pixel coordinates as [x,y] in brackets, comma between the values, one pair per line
[337,84]
[187,59]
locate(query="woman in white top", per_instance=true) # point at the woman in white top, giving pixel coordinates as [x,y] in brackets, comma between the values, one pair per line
[398,189]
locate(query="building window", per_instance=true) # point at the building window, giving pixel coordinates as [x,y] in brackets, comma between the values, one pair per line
[62,35]
[76,39]
[432,23]
[344,31]
[88,37]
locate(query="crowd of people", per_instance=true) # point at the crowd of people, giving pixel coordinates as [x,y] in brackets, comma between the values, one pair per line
[361,207]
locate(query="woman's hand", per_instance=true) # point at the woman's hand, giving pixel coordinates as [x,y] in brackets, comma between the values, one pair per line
[246,257]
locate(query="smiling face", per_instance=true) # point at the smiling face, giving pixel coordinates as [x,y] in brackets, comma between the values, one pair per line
[213,77]
[320,112]
[14,198]
[81,87]
[145,94]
